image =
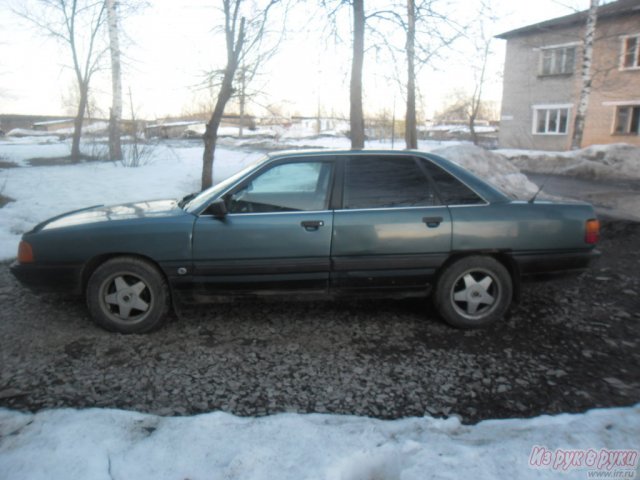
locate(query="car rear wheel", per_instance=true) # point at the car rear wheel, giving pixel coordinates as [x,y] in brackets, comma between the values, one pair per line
[473,292]
[128,295]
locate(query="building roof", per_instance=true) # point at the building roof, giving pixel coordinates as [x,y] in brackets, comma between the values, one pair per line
[613,9]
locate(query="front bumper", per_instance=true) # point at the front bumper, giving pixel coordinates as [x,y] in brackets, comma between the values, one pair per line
[49,278]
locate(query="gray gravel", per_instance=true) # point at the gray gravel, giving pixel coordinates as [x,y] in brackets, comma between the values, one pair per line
[570,345]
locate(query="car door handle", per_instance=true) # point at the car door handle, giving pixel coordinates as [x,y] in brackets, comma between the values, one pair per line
[432,222]
[311,225]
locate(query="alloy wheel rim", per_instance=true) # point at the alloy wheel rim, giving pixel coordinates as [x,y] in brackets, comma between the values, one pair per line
[126,297]
[475,294]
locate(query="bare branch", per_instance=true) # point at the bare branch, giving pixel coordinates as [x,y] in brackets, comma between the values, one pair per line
[78,25]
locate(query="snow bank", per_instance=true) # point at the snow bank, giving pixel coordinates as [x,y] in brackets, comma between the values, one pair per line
[24,132]
[460,128]
[42,192]
[94,443]
[492,167]
[615,161]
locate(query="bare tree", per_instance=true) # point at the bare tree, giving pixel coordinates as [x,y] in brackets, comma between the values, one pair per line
[411,127]
[435,33]
[356,112]
[585,90]
[242,35]
[115,116]
[242,98]
[249,71]
[76,24]
[460,105]
[428,34]
[482,51]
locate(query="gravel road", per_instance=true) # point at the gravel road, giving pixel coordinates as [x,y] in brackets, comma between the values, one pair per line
[569,345]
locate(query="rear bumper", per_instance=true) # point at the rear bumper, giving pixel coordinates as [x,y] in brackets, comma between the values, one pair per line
[49,278]
[555,263]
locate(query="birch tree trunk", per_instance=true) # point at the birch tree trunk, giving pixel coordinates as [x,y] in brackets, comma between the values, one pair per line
[356,112]
[585,91]
[411,127]
[115,117]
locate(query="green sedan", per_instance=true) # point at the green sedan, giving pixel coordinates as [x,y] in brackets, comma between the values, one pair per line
[322,223]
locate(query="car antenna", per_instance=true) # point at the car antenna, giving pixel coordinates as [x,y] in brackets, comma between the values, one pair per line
[533,199]
[542,185]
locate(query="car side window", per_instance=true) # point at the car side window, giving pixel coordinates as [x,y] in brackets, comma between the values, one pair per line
[379,182]
[452,190]
[288,187]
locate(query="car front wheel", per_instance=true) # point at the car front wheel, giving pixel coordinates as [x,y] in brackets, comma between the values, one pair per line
[473,292]
[128,295]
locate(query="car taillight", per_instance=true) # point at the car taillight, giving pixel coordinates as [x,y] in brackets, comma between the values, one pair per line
[25,252]
[592,231]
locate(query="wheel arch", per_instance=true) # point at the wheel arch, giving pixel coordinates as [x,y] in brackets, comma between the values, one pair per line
[92,265]
[503,257]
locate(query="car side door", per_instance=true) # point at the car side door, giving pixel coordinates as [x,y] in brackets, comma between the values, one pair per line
[276,233]
[391,230]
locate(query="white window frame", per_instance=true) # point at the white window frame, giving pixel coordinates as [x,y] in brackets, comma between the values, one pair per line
[546,107]
[557,48]
[623,52]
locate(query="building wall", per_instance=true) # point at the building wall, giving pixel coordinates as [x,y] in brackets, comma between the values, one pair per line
[524,88]
[611,84]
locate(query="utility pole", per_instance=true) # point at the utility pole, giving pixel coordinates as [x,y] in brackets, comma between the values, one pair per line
[243,85]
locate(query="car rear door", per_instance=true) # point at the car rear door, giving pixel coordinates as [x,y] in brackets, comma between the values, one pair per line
[390,230]
[277,233]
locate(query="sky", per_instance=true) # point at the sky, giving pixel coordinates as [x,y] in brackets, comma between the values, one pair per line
[171,44]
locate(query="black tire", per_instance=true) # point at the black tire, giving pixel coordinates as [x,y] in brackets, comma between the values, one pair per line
[128,295]
[473,292]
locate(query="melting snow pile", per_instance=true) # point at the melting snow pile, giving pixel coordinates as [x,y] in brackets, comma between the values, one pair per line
[27,133]
[615,161]
[95,443]
[491,167]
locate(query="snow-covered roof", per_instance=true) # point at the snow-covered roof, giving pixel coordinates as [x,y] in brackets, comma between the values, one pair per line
[173,124]
[52,122]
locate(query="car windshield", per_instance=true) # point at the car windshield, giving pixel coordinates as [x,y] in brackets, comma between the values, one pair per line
[202,198]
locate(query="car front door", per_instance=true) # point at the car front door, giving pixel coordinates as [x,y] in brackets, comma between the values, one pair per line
[276,234]
[391,230]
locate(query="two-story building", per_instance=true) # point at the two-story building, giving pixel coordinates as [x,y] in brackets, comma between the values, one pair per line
[542,80]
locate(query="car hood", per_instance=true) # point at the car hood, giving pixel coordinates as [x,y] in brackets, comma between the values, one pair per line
[102,213]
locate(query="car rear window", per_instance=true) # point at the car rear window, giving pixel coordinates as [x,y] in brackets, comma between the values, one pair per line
[452,190]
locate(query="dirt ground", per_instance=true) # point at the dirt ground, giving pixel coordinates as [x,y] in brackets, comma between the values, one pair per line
[569,345]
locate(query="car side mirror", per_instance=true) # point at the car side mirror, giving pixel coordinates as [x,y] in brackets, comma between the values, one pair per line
[217,208]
